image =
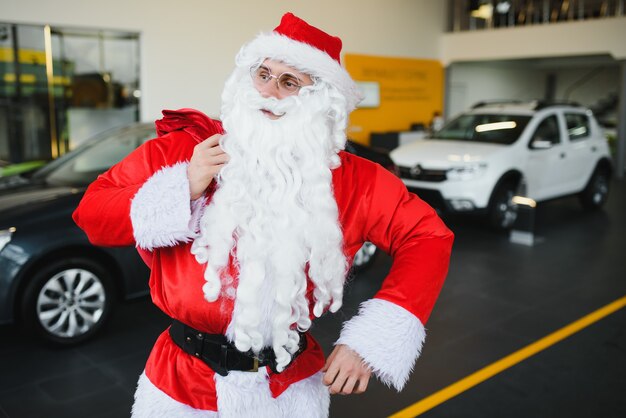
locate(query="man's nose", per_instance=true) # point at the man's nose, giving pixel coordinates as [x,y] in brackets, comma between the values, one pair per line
[270,89]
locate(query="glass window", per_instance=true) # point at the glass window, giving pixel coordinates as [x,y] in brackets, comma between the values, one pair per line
[577,126]
[546,133]
[61,86]
[85,164]
[489,128]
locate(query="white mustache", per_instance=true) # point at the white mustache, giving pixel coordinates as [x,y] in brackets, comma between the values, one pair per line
[278,107]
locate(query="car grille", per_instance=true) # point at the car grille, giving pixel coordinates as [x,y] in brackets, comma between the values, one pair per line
[422,174]
[432,197]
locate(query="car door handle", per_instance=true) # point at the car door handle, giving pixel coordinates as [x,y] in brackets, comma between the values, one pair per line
[562,155]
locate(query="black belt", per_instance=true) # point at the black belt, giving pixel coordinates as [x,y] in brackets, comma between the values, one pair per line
[220,354]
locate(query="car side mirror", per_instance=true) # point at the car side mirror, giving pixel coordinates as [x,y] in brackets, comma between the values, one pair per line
[541,144]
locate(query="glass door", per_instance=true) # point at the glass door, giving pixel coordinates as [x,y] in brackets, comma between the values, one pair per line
[60,86]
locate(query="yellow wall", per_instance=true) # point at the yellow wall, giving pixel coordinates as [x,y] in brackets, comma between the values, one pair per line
[410,91]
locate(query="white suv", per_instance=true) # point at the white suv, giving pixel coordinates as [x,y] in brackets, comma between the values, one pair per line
[482,158]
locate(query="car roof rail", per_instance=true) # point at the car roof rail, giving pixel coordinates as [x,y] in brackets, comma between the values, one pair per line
[484,103]
[542,104]
[536,104]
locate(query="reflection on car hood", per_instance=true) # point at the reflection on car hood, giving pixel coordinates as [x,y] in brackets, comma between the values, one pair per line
[33,202]
[442,153]
[12,182]
[34,196]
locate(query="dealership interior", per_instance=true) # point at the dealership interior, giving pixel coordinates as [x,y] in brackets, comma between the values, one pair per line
[507,117]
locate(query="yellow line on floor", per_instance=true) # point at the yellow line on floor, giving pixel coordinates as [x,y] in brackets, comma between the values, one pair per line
[487,372]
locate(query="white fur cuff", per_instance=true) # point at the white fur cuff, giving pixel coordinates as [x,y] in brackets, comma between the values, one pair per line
[161,212]
[388,338]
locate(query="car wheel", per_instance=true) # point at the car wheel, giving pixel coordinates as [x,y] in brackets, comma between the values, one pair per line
[364,257]
[595,194]
[502,211]
[68,301]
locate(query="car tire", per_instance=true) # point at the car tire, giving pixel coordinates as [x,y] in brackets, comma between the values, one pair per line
[502,212]
[67,301]
[364,257]
[596,192]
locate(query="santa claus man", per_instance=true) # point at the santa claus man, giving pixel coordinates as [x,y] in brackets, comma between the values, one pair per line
[249,226]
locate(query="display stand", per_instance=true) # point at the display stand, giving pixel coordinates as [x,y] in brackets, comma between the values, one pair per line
[523,231]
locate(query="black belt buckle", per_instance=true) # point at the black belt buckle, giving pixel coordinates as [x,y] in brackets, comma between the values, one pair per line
[255,365]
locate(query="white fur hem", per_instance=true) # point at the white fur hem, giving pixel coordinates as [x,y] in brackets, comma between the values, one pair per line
[161,212]
[150,402]
[388,338]
[247,395]
[239,395]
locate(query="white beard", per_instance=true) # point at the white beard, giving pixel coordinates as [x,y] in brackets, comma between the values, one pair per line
[274,211]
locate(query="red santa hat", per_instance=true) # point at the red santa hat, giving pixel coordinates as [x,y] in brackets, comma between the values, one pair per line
[310,50]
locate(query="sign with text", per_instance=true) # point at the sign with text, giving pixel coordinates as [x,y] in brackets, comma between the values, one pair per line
[410,91]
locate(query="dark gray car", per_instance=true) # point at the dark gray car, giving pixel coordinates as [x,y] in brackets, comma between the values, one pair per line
[52,280]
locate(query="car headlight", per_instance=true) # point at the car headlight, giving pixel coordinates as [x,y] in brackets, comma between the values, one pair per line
[467,171]
[5,237]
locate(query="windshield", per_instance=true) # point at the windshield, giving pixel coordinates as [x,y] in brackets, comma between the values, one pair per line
[83,165]
[492,129]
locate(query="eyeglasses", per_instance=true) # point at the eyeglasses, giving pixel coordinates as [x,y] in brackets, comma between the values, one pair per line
[288,83]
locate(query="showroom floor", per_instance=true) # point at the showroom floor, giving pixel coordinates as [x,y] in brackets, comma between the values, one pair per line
[499,297]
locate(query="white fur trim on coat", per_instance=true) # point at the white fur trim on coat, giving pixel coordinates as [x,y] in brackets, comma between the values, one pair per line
[308,398]
[239,395]
[247,395]
[150,402]
[388,338]
[161,212]
[305,58]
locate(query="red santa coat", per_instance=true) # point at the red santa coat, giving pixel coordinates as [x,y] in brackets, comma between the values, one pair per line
[144,201]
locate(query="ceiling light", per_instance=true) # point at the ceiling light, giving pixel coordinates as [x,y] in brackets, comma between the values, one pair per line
[484,11]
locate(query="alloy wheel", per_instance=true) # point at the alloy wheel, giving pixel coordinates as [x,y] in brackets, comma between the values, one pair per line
[71,303]
[364,255]
[600,189]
